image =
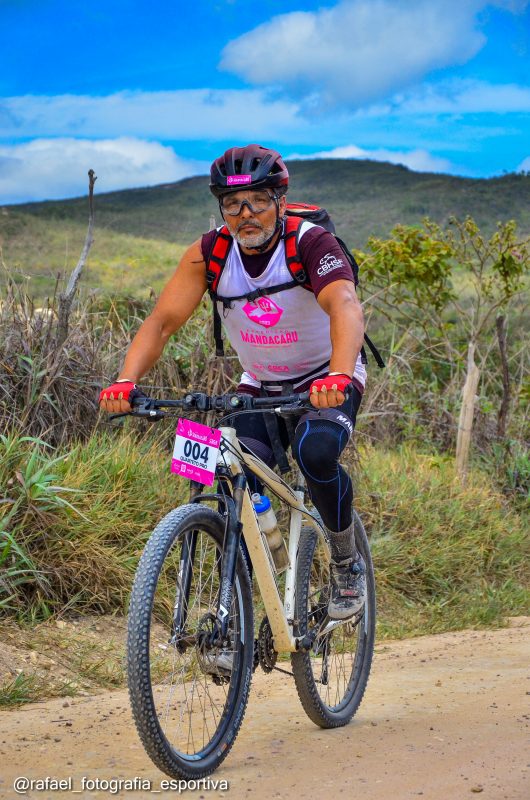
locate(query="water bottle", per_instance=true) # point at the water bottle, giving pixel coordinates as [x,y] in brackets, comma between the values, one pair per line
[269,526]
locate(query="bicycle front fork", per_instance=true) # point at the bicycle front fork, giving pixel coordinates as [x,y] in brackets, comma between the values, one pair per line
[231,545]
[230,553]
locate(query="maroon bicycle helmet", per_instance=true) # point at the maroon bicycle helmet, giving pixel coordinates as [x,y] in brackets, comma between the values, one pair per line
[253,167]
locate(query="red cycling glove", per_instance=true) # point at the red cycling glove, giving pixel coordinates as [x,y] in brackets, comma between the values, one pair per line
[122,390]
[331,383]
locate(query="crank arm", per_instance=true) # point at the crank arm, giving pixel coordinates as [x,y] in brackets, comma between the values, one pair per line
[307,642]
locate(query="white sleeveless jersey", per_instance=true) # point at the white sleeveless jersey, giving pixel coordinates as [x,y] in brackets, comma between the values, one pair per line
[280,337]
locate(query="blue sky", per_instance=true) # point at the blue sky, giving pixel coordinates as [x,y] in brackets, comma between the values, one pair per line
[150,92]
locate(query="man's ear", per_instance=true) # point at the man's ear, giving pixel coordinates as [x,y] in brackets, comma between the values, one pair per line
[282,205]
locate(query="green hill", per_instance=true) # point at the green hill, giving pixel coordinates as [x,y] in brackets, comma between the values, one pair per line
[140,233]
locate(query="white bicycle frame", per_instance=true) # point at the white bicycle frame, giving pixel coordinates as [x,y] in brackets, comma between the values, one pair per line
[280,615]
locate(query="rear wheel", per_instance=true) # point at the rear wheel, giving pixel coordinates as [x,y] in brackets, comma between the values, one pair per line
[331,677]
[188,698]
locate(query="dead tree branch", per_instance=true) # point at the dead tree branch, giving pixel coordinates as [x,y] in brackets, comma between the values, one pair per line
[66,298]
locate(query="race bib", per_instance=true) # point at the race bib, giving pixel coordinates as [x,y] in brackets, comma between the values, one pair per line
[195,451]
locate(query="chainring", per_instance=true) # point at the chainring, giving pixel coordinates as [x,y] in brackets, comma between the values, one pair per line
[266,653]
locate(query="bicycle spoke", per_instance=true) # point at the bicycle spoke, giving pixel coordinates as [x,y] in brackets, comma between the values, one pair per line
[190,704]
[332,674]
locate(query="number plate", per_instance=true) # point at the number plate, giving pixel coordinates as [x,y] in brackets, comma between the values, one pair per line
[195,452]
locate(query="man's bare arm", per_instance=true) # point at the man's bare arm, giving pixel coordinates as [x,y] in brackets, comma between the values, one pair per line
[179,298]
[340,301]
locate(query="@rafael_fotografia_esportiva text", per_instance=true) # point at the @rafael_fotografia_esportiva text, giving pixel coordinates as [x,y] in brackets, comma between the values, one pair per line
[23,785]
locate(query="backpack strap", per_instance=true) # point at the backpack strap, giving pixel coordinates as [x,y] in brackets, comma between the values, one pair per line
[375,352]
[214,269]
[217,258]
[350,258]
[272,425]
[291,236]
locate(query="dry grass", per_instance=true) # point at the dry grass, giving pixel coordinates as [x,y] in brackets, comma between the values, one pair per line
[51,392]
[61,657]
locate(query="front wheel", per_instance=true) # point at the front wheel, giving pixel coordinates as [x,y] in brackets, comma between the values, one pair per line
[188,697]
[331,677]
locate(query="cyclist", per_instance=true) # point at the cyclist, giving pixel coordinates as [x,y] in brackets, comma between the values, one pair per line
[292,340]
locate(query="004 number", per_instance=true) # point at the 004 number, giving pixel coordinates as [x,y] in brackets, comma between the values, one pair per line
[193,450]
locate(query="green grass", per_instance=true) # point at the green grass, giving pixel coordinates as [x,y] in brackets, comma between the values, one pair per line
[80,524]
[118,263]
[137,230]
[22,689]
[29,688]
[446,557]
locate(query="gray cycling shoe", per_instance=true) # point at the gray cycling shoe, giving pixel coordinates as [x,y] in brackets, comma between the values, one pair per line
[348,588]
[219,663]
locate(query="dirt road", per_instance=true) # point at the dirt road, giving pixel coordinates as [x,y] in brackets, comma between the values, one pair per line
[443,717]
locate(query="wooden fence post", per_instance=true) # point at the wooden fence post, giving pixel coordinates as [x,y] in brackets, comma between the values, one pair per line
[467,412]
[504,410]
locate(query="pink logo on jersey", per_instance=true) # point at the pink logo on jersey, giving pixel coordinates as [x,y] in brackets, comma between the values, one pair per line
[235,180]
[264,311]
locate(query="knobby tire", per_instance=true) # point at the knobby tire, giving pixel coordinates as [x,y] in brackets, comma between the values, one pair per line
[332,677]
[169,689]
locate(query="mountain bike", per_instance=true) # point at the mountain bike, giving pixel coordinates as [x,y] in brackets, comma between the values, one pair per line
[191,648]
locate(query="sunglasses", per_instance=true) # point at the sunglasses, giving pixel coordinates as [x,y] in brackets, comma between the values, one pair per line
[257,203]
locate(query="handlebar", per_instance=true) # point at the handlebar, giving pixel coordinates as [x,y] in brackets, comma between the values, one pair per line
[152,409]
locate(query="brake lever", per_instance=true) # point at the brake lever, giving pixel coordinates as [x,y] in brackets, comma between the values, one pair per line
[141,404]
[153,415]
[293,408]
[304,403]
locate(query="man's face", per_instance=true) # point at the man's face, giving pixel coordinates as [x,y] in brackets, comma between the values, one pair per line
[251,225]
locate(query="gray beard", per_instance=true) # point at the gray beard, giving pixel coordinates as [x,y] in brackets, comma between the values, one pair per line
[257,239]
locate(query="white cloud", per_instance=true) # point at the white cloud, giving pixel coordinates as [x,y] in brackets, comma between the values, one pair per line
[238,115]
[417,160]
[406,129]
[464,97]
[183,114]
[524,166]
[358,51]
[46,169]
